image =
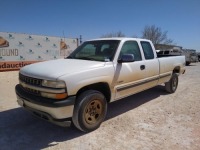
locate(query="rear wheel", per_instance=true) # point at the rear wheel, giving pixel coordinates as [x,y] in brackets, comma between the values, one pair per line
[172,85]
[187,63]
[89,111]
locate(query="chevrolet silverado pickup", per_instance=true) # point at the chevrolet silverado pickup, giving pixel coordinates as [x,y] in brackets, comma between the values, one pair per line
[78,88]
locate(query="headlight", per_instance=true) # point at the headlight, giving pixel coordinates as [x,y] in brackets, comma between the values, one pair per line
[54,94]
[53,84]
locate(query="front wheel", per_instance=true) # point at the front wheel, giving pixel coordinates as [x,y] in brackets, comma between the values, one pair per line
[89,111]
[172,85]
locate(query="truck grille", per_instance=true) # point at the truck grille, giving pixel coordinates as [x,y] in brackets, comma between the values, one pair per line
[30,81]
[35,92]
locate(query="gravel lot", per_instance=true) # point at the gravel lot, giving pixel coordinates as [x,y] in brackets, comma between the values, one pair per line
[150,120]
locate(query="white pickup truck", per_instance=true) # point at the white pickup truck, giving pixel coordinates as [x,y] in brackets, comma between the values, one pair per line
[79,87]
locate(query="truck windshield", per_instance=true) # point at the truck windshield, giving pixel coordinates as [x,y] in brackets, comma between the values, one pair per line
[100,50]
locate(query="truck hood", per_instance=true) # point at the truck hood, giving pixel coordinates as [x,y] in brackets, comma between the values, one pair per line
[55,68]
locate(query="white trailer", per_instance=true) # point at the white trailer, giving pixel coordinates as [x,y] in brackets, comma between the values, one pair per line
[18,50]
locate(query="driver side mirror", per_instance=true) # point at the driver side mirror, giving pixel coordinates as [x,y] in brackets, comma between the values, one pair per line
[126,58]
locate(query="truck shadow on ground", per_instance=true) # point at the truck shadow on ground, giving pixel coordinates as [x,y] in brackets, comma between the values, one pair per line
[192,65]
[20,130]
[134,101]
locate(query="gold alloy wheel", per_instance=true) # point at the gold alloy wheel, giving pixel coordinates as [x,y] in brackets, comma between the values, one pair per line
[93,112]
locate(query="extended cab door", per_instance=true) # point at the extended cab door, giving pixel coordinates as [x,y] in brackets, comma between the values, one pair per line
[129,77]
[151,64]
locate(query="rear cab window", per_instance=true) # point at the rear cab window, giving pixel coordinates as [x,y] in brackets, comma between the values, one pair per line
[147,49]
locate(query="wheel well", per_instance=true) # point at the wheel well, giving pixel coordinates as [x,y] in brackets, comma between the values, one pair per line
[176,70]
[101,87]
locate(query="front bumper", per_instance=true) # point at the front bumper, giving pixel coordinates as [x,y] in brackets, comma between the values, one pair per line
[58,112]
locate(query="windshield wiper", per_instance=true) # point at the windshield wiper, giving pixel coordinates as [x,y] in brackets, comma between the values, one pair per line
[85,58]
[69,57]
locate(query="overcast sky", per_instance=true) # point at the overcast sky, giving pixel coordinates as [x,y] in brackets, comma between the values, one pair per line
[94,18]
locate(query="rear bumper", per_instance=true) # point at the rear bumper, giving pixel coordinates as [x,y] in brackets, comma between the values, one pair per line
[57,112]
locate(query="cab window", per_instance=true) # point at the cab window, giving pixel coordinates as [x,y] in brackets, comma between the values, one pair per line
[131,47]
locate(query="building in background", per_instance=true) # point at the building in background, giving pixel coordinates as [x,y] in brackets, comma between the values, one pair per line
[18,50]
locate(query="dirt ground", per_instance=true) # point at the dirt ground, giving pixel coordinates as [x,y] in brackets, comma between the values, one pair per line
[150,120]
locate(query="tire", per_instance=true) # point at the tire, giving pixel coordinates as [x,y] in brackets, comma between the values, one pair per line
[172,85]
[187,63]
[89,111]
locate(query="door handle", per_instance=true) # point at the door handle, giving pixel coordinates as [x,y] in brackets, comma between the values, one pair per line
[142,67]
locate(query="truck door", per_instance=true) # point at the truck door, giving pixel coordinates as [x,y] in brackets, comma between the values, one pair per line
[151,65]
[129,77]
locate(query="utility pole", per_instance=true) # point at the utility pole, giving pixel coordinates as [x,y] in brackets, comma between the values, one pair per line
[80,39]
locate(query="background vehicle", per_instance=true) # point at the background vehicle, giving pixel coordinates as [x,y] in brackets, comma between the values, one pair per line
[99,71]
[169,52]
[190,55]
[198,56]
